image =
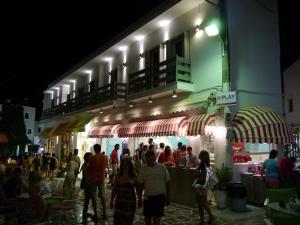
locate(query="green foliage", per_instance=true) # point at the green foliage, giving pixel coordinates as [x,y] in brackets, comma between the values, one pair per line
[224,176]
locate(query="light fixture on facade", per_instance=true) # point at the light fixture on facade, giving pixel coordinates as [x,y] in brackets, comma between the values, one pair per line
[124,64]
[174,95]
[130,105]
[198,28]
[141,55]
[211,30]
[122,48]
[139,37]
[150,100]
[163,23]
[108,59]
[164,43]
[101,111]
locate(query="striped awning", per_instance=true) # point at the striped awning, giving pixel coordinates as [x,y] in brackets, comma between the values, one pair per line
[162,127]
[196,124]
[103,131]
[261,125]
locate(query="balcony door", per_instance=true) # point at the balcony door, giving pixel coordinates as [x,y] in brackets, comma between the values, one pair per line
[113,80]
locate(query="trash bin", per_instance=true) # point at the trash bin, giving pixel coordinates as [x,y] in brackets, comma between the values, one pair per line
[237,197]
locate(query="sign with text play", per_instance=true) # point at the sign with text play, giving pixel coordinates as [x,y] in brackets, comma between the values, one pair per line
[226,98]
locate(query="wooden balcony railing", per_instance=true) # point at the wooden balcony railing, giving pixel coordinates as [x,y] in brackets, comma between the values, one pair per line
[162,74]
[103,94]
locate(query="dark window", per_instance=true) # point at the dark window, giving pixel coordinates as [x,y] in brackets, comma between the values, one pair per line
[291,106]
[26,115]
[179,48]
[39,129]
[29,131]
[176,47]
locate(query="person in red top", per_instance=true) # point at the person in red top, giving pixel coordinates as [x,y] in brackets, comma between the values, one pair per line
[285,169]
[95,178]
[176,153]
[166,156]
[114,160]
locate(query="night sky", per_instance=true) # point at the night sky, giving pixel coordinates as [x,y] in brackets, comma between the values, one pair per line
[42,40]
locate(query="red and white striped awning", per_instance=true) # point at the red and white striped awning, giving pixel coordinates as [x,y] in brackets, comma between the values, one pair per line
[261,125]
[163,127]
[103,131]
[196,124]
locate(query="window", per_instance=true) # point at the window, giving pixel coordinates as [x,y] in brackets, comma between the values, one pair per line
[39,130]
[291,107]
[177,46]
[26,115]
[29,131]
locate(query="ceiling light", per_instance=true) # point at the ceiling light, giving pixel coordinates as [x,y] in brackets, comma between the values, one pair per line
[163,23]
[88,71]
[139,37]
[101,111]
[150,100]
[130,105]
[174,95]
[123,48]
[108,59]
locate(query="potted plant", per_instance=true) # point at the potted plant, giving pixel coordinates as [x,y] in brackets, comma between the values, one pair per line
[224,176]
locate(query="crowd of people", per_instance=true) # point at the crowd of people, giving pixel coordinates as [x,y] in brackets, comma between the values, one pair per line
[279,173]
[139,179]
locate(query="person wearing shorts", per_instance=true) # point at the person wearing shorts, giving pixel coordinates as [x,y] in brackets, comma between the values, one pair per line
[154,179]
[95,179]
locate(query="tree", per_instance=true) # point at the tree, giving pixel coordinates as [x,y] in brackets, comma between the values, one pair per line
[12,122]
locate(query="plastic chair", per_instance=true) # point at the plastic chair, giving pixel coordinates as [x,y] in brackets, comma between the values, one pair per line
[281,194]
[285,219]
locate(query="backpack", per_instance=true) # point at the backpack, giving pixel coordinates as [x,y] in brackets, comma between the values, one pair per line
[205,178]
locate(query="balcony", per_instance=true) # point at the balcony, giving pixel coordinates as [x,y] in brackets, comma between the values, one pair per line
[102,95]
[164,74]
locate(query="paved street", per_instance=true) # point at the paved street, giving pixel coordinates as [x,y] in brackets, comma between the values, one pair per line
[179,215]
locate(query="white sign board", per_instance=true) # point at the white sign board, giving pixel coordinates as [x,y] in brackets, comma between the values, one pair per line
[226,98]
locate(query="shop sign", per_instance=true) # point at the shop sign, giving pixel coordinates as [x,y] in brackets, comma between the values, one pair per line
[226,98]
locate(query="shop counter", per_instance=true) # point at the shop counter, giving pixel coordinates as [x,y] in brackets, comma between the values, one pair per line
[256,189]
[181,190]
[238,169]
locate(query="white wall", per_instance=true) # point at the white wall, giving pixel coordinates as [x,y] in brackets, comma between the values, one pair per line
[255,53]
[30,122]
[291,78]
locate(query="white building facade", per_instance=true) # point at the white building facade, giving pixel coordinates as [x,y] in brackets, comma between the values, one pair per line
[167,54]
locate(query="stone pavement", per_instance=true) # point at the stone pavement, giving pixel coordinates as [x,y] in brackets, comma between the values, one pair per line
[176,214]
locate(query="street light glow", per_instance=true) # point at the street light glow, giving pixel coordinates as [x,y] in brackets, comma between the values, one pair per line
[212,30]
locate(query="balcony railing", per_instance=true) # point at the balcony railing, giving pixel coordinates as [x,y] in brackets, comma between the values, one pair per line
[103,94]
[160,75]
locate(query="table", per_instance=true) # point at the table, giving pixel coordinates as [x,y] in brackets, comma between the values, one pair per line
[181,190]
[256,188]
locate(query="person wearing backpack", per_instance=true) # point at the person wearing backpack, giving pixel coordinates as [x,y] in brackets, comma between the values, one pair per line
[201,182]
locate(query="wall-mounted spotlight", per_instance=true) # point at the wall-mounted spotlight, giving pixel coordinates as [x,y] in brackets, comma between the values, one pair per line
[164,43]
[141,55]
[150,100]
[130,105]
[174,95]
[101,111]
[124,64]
